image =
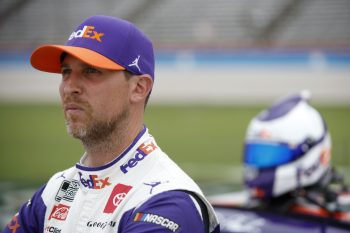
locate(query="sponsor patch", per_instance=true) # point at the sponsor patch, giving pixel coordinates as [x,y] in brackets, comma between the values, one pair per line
[310,170]
[325,157]
[154,184]
[62,190]
[67,190]
[52,229]
[71,191]
[101,225]
[93,181]
[141,152]
[59,212]
[13,225]
[87,32]
[158,220]
[118,194]
[136,63]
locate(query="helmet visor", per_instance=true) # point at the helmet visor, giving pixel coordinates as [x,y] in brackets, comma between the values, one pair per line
[267,155]
[262,154]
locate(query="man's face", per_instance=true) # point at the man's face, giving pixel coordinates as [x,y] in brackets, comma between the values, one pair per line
[95,101]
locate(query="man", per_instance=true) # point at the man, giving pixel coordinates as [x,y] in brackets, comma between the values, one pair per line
[124,182]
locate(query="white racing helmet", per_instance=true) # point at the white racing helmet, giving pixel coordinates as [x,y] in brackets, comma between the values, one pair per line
[287,147]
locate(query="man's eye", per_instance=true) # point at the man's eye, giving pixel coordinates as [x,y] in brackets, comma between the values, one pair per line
[65,71]
[91,70]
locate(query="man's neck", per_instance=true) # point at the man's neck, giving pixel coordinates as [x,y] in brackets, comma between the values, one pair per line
[103,151]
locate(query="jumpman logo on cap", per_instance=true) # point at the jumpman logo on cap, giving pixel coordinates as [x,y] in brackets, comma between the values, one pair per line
[136,63]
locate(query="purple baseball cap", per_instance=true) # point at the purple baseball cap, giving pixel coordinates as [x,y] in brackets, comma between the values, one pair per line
[101,41]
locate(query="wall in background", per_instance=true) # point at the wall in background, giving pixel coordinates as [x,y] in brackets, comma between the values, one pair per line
[205,77]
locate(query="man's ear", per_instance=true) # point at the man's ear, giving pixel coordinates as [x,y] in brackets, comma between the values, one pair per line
[141,86]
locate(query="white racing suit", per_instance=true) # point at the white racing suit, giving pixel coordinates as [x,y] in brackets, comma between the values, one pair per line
[142,190]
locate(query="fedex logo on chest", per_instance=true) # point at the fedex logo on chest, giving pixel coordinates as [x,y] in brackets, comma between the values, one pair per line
[144,150]
[87,32]
[93,182]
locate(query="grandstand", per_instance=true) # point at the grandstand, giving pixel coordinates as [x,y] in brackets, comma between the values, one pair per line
[186,24]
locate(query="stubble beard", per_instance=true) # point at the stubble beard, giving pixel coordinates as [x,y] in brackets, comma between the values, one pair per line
[94,132]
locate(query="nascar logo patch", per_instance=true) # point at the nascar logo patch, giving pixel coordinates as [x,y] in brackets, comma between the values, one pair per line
[157,219]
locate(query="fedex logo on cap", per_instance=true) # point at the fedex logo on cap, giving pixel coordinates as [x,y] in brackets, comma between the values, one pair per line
[87,32]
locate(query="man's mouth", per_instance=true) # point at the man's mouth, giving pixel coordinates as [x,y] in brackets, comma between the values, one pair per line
[73,108]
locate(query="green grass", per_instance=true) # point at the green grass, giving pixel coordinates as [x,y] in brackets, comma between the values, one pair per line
[203,139]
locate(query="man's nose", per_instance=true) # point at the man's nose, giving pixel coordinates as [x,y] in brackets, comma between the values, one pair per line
[71,84]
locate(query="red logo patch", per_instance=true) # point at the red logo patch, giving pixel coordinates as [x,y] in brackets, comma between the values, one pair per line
[118,194]
[59,212]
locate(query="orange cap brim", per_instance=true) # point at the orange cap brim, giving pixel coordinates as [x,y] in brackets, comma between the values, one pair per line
[47,58]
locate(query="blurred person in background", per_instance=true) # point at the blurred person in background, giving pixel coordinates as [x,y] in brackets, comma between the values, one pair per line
[124,182]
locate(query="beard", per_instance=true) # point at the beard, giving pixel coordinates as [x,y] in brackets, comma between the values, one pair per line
[94,131]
